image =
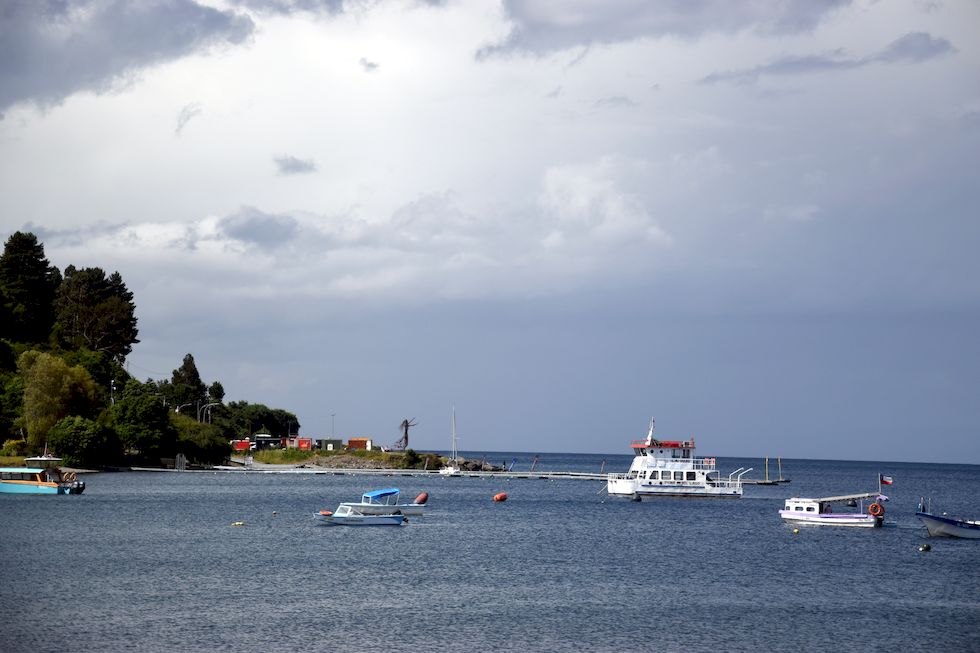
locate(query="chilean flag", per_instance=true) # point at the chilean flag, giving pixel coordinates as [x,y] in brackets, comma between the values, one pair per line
[885,480]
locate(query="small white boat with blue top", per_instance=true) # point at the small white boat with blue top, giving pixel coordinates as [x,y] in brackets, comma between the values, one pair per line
[385,502]
[348,516]
[821,512]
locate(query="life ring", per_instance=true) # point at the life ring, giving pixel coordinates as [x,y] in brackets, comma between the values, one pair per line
[70,477]
[876,509]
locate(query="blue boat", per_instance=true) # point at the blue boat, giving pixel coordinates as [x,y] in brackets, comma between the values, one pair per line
[39,480]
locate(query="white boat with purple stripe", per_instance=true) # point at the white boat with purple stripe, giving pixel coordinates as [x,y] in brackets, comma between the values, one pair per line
[822,512]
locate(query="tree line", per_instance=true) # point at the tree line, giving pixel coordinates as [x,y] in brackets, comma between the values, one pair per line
[64,339]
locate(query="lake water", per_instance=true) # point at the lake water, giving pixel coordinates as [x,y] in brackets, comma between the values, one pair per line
[150,562]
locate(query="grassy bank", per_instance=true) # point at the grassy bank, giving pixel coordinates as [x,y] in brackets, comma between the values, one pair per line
[408,459]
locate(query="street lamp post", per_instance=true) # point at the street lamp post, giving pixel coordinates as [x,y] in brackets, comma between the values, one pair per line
[331,425]
[203,409]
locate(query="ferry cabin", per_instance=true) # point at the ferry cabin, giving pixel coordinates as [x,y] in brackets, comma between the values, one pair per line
[38,480]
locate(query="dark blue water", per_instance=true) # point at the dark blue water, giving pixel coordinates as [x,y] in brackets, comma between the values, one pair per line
[150,562]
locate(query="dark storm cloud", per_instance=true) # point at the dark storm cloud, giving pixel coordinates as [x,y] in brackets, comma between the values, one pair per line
[251,225]
[911,48]
[51,49]
[542,27]
[290,165]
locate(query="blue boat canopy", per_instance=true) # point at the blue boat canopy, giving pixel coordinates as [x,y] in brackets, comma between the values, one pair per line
[378,494]
[21,470]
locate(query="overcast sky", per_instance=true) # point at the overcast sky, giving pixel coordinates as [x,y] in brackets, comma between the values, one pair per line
[756,221]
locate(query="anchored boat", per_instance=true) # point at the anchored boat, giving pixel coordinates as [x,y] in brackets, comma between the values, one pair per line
[385,502]
[668,468]
[347,516]
[39,480]
[945,526]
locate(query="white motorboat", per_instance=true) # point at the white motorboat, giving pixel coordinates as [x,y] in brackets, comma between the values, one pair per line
[820,512]
[347,516]
[945,526]
[668,468]
[385,502]
[451,468]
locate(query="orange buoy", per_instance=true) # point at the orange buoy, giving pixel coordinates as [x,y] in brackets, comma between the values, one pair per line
[422,498]
[326,513]
[500,496]
[876,510]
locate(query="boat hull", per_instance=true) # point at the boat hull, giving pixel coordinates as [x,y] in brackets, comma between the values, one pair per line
[40,488]
[360,520]
[854,520]
[411,509]
[633,490]
[939,526]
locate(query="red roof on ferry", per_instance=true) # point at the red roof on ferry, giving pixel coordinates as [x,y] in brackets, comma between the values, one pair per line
[662,444]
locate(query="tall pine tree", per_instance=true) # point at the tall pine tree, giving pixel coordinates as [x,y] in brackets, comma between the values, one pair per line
[28,283]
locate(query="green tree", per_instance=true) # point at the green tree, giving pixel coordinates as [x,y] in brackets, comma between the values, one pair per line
[53,390]
[142,421]
[28,283]
[201,443]
[216,392]
[186,386]
[83,442]
[96,312]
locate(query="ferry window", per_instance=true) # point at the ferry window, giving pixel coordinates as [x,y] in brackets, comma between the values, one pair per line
[654,475]
[678,476]
[676,453]
[687,453]
[798,508]
[691,476]
[810,509]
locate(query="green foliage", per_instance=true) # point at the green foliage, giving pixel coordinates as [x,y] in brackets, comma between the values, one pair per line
[186,386]
[282,456]
[96,312]
[142,421]
[411,459]
[11,403]
[14,448]
[201,443]
[242,419]
[53,390]
[28,283]
[83,442]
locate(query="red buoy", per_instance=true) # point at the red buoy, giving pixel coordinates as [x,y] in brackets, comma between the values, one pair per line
[326,513]
[500,496]
[422,498]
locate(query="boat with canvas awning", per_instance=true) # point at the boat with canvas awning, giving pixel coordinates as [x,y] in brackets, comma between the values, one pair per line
[385,502]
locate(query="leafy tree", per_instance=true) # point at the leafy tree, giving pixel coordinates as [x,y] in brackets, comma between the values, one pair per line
[11,404]
[186,386]
[201,443]
[96,312]
[28,283]
[142,421]
[53,390]
[216,392]
[83,442]
[244,419]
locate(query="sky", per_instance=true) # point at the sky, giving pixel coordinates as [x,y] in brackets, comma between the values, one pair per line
[755,221]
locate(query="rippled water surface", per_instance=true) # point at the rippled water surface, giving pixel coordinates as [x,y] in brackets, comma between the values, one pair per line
[150,562]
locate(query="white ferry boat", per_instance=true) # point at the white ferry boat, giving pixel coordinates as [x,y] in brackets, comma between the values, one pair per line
[668,468]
